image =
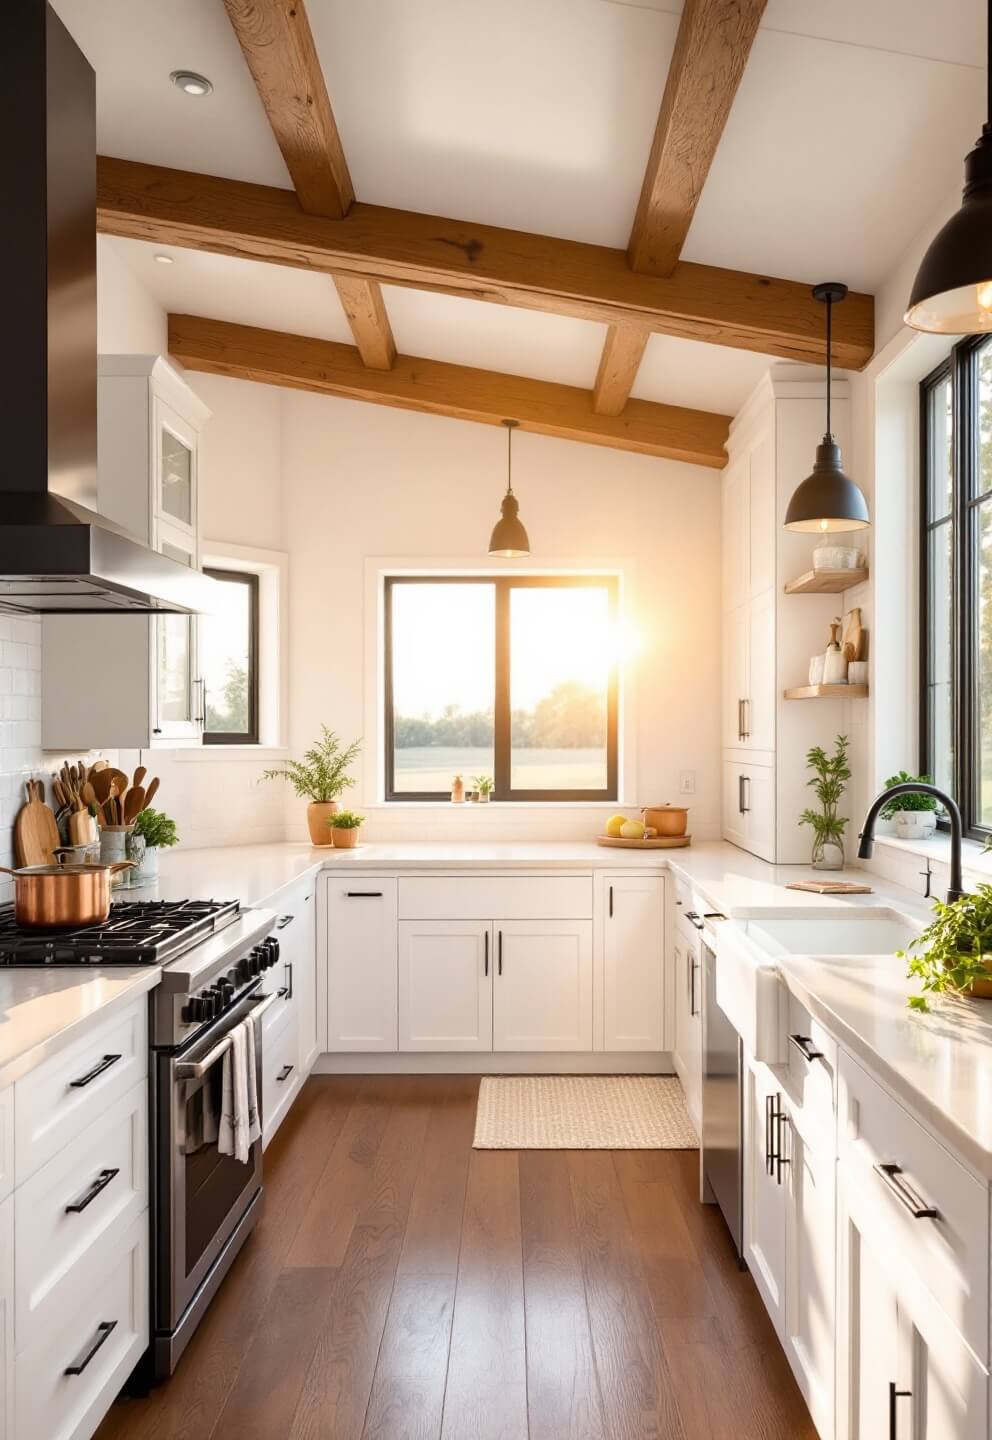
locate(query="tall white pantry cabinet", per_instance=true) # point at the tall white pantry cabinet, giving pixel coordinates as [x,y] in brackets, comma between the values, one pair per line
[769,636]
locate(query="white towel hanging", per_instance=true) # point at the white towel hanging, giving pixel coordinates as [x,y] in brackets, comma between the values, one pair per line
[240,1126]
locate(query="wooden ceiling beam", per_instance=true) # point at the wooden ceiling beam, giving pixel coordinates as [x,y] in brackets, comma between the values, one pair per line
[277,43]
[362,302]
[623,350]
[711,51]
[483,262]
[437,388]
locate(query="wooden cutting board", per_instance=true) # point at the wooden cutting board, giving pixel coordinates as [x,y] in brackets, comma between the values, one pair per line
[830,887]
[36,834]
[656,842]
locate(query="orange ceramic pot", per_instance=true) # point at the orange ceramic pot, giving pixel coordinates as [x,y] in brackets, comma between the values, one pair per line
[346,839]
[318,814]
[666,819]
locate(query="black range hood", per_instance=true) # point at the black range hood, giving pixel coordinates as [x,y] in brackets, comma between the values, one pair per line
[57,555]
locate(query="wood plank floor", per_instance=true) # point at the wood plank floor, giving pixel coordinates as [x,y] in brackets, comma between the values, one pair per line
[401,1286]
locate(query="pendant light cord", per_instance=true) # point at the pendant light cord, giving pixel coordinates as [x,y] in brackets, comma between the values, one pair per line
[509,459]
[830,307]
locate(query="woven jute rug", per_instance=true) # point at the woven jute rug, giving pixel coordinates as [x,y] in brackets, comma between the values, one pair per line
[582,1112]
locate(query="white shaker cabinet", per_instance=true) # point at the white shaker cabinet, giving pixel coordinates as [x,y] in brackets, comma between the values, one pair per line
[765,1162]
[809,1302]
[7,1319]
[749,806]
[633,968]
[361,958]
[688,1054]
[150,691]
[446,985]
[542,992]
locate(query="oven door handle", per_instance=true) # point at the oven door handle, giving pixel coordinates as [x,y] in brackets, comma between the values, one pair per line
[196,1069]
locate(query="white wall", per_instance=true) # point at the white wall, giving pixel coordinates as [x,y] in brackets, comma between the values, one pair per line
[363,481]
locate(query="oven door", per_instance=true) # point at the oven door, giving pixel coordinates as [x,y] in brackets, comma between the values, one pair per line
[202,1194]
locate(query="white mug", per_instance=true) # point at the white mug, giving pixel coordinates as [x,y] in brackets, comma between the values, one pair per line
[816,670]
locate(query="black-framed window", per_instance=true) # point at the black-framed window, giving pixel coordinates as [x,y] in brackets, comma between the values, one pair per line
[228,656]
[956,575]
[509,678]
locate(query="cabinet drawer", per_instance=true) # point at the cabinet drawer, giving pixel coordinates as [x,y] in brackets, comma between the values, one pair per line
[491,897]
[99,1333]
[950,1249]
[810,1061]
[280,1074]
[103,1177]
[58,1099]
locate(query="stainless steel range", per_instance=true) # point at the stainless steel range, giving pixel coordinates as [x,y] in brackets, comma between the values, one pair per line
[203,1203]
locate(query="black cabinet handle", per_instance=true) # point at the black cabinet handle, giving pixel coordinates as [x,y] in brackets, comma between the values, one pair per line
[486,940]
[499,953]
[804,1045]
[694,919]
[103,1333]
[895,1394]
[99,1184]
[746,780]
[289,977]
[283,992]
[904,1192]
[781,1119]
[284,920]
[98,1069]
[285,1073]
[611,902]
[364,895]
[693,967]
[769,1134]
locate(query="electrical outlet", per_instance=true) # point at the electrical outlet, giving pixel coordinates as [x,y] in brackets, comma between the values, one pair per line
[687,782]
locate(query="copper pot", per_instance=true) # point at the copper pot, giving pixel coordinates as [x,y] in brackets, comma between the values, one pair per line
[666,819]
[62,896]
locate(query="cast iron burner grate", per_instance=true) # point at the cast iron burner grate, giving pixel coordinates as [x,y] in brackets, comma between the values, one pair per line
[138,932]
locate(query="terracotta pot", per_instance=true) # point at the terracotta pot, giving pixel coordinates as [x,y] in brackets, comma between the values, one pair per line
[318,814]
[346,839]
[982,989]
[666,819]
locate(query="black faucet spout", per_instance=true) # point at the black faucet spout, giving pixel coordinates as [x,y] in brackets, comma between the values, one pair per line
[918,787]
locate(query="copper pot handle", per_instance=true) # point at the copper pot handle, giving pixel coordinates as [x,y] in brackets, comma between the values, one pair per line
[122,865]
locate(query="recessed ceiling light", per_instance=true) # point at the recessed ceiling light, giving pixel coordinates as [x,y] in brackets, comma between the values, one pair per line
[164,259]
[190,83]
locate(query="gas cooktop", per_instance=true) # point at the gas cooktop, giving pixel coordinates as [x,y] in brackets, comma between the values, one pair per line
[137,932]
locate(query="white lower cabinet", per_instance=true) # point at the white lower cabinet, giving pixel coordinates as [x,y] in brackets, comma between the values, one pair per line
[280,1073]
[361,963]
[296,975]
[7,1319]
[688,1054]
[633,968]
[542,995]
[765,1187]
[446,985]
[749,806]
[809,1266]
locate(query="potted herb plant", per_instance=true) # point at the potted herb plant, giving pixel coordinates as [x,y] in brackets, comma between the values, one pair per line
[345,829]
[828,782]
[153,831]
[954,952]
[915,816]
[320,777]
[483,788]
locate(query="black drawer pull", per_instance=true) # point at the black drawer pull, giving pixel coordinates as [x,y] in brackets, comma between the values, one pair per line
[285,1073]
[895,1394]
[693,918]
[499,953]
[804,1045]
[769,1133]
[485,968]
[364,894]
[284,920]
[611,902]
[283,992]
[99,1184]
[98,1069]
[103,1332]
[289,977]
[904,1193]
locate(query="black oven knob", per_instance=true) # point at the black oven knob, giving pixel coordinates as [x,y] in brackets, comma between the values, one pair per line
[226,991]
[244,970]
[192,1011]
[271,951]
[207,1003]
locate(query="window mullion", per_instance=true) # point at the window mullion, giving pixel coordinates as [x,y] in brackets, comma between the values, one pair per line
[501,718]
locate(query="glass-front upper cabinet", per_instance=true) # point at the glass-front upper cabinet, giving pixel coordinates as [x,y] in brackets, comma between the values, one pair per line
[176,468]
[177,689]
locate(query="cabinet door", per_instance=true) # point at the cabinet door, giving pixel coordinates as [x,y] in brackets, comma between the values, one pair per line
[766,1165]
[175,467]
[296,931]
[634,975]
[758,794]
[734,812]
[688,983]
[760,692]
[542,995]
[809,1318]
[7,1319]
[446,985]
[870,1351]
[736,635]
[361,964]
[177,689]
[761,532]
[735,537]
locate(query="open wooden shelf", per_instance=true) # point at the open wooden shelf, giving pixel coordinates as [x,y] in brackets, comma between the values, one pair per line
[827,692]
[825,582]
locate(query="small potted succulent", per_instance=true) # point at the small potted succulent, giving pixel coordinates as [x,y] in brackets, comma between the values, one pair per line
[320,777]
[153,831]
[346,827]
[482,788]
[914,816]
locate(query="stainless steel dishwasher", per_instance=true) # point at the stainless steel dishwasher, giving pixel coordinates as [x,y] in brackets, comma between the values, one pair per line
[723,1113]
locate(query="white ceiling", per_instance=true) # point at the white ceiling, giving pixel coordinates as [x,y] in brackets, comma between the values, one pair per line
[849,128]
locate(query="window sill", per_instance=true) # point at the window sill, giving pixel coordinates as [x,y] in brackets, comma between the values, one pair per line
[938,848]
[200,754]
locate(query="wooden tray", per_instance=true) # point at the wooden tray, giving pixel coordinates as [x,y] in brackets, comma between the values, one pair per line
[657,842]
[830,887]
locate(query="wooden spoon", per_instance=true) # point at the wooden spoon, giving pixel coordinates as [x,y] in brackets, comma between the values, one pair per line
[139,775]
[134,803]
[150,793]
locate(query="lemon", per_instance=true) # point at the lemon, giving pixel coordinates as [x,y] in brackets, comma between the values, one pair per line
[632,830]
[615,824]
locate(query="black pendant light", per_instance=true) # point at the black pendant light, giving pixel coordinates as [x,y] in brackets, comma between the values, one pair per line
[952,293]
[828,499]
[509,538]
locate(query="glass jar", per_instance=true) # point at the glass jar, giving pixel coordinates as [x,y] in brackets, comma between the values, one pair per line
[136,850]
[828,854]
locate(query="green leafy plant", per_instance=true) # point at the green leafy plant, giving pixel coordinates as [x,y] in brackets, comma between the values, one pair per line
[156,829]
[828,782]
[346,820]
[483,784]
[952,947]
[907,802]
[321,775]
